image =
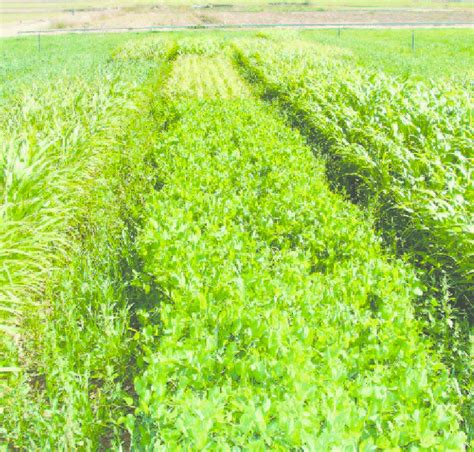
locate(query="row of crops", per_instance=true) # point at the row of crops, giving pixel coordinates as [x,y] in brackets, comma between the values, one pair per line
[403,148]
[282,322]
[207,279]
[73,169]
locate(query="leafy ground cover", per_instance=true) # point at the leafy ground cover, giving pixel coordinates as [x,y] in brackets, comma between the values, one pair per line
[268,280]
[177,270]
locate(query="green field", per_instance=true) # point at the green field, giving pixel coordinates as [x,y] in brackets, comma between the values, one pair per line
[442,53]
[236,241]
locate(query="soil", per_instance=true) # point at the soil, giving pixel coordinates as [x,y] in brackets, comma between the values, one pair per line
[124,18]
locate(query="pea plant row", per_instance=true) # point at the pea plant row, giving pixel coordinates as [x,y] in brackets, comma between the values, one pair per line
[282,322]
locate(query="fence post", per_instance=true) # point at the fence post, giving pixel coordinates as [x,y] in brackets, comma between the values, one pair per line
[39,42]
[339,32]
[413,40]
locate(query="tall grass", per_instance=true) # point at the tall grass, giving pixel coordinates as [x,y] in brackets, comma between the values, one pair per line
[46,147]
[73,171]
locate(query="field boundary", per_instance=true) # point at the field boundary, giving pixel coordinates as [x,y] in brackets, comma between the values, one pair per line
[250,26]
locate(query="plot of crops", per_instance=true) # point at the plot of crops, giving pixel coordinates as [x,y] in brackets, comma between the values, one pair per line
[205,77]
[235,243]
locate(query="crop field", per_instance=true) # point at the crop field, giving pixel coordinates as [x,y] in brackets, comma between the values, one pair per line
[438,53]
[236,241]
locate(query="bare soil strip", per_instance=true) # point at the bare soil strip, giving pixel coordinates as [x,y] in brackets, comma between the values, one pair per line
[121,18]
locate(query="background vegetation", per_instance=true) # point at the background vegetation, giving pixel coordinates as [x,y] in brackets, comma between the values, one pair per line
[440,54]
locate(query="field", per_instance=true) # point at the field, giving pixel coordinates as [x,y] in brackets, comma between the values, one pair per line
[438,53]
[236,240]
[49,16]
[53,4]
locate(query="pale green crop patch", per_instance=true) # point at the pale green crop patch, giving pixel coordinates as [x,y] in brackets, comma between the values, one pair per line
[205,78]
[149,48]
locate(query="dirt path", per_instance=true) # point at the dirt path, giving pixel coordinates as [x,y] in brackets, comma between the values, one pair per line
[118,18]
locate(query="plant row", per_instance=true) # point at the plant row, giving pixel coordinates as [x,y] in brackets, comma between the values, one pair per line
[73,172]
[404,148]
[279,321]
[216,78]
